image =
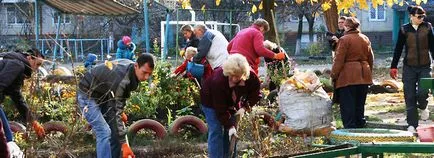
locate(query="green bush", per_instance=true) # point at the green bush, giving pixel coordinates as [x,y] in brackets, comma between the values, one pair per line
[280,74]
[315,49]
[164,92]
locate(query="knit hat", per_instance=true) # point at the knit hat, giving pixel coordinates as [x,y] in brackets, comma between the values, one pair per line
[126,40]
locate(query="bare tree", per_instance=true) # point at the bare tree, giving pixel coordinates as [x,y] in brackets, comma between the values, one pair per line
[306,9]
[268,7]
[292,7]
[311,11]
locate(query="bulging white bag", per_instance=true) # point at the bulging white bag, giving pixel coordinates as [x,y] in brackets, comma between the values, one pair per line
[304,103]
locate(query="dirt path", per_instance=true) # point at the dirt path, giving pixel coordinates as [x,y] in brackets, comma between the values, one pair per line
[390,108]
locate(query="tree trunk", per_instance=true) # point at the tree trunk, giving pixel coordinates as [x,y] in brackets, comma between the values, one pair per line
[299,33]
[310,20]
[268,5]
[331,17]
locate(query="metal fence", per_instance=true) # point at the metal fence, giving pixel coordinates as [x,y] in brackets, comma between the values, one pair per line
[76,49]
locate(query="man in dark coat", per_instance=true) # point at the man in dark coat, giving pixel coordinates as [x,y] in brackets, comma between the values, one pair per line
[101,97]
[14,68]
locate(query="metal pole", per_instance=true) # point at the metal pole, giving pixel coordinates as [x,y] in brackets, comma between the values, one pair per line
[42,49]
[81,48]
[230,26]
[75,50]
[177,35]
[36,25]
[166,43]
[204,17]
[57,37]
[102,50]
[108,47]
[145,13]
[61,49]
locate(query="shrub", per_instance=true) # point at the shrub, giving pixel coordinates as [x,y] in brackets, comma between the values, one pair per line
[163,92]
[315,49]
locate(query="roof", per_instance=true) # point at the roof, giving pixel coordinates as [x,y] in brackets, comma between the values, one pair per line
[91,7]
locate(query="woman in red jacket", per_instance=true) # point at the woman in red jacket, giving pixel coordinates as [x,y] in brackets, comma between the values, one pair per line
[248,42]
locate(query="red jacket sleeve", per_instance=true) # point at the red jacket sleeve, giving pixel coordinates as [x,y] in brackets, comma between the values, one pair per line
[229,48]
[258,44]
[181,68]
[207,70]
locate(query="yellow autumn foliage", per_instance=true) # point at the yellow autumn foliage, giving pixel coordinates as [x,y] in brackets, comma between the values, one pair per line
[326,6]
[108,64]
[342,5]
[203,8]
[254,9]
[184,3]
[217,2]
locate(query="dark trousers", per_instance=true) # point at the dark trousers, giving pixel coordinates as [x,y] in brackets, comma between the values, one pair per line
[352,105]
[415,97]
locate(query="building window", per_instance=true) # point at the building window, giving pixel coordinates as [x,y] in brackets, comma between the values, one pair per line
[66,19]
[15,15]
[377,14]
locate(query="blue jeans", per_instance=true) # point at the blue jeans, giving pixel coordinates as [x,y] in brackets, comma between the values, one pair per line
[218,138]
[92,112]
[6,127]
[415,97]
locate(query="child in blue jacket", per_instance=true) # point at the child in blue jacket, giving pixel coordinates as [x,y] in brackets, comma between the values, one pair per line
[125,49]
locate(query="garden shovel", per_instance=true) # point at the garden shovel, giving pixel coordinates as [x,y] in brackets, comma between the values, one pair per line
[278,42]
[234,138]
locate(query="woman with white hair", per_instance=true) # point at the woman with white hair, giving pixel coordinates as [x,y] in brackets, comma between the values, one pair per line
[230,90]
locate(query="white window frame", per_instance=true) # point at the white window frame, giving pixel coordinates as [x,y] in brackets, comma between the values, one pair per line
[15,16]
[376,13]
[63,21]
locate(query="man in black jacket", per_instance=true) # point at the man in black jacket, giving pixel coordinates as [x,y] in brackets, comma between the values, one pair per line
[102,96]
[14,68]
[333,38]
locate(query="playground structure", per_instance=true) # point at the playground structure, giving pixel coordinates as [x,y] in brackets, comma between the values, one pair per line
[57,47]
[96,8]
[76,46]
[211,24]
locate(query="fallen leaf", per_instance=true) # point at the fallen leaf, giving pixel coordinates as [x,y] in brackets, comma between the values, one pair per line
[109,64]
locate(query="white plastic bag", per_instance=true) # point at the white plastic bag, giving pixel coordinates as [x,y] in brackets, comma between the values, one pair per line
[305,107]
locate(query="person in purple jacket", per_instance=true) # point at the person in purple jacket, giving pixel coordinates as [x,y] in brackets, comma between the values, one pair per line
[228,92]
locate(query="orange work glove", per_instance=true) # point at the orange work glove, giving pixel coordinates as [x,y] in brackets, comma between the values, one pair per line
[127,152]
[38,129]
[394,73]
[279,56]
[124,118]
